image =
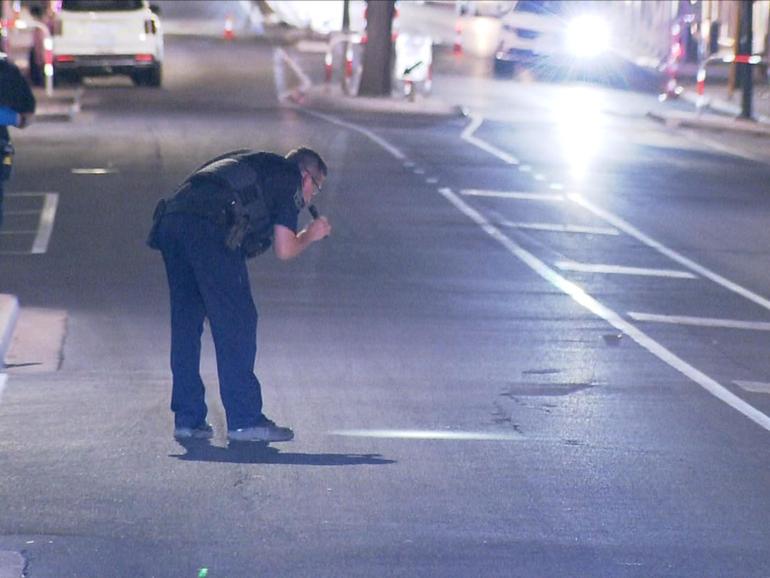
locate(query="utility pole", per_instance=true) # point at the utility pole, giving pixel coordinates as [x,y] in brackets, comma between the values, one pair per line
[376,73]
[745,47]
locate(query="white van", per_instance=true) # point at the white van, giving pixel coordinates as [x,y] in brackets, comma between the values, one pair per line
[105,37]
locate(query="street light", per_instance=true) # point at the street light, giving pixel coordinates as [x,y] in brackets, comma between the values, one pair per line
[47,50]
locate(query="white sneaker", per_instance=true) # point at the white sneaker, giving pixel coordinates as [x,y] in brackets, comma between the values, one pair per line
[266,431]
[202,432]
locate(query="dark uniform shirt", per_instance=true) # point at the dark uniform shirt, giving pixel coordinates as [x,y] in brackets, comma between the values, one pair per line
[14,92]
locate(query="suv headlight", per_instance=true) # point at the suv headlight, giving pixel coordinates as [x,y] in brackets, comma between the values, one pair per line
[588,36]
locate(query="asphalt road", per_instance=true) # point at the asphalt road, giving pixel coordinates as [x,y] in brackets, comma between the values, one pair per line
[472,393]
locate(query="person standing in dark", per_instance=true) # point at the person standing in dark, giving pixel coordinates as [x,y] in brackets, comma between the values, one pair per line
[17,105]
[233,207]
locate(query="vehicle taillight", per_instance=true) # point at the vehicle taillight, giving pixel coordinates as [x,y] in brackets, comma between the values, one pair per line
[64,58]
[143,58]
[150,27]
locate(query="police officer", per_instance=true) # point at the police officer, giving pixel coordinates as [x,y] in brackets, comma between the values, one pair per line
[231,208]
[17,104]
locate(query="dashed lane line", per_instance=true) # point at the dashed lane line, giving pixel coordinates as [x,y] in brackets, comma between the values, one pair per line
[699,321]
[584,299]
[575,292]
[622,270]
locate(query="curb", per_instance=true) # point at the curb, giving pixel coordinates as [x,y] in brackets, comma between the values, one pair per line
[9,313]
[710,121]
[331,97]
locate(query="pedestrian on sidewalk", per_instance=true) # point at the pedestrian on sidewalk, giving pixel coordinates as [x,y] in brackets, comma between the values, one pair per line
[17,105]
[233,207]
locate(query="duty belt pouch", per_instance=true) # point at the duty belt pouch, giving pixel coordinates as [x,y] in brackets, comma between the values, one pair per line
[152,238]
[6,154]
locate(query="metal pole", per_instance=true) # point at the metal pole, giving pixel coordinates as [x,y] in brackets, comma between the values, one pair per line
[745,43]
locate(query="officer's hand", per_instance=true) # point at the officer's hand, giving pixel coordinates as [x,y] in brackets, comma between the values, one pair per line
[319,228]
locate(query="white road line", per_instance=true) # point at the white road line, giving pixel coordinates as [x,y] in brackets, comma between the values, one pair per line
[700,321]
[467,135]
[366,132]
[670,253]
[430,435]
[622,270]
[575,292]
[45,228]
[3,378]
[753,386]
[548,197]
[582,298]
[560,228]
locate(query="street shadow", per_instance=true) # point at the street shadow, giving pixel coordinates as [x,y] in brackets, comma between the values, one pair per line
[262,453]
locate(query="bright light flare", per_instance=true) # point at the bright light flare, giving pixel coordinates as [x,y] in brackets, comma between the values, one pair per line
[588,36]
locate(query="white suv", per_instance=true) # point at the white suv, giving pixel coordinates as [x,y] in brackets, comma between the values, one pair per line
[104,37]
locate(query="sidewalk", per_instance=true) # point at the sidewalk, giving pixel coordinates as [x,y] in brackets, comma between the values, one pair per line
[717,108]
[62,105]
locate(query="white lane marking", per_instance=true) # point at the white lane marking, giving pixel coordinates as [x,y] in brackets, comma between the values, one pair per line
[670,253]
[20,232]
[622,270]
[548,197]
[94,171]
[582,298]
[45,228]
[430,435]
[560,228]
[467,135]
[3,378]
[753,386]
[366,132]
[699,321]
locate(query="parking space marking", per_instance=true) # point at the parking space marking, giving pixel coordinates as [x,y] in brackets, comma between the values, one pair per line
[753,386]
[45,228]
[599,309]
[572,290]
[522,196]
[467,135]
[622,270]
[42,234]
[560,228]
[430,435]
[629,229]
[700,321]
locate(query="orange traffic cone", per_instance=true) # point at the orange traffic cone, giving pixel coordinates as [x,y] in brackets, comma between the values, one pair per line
[457,48]
[229,33]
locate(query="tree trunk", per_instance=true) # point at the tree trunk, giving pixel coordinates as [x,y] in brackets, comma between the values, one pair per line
[376,73]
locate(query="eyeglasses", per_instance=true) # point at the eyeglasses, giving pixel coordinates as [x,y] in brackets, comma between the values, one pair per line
[315,184]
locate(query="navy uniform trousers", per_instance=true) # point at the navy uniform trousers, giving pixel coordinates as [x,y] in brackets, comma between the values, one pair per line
[208,280]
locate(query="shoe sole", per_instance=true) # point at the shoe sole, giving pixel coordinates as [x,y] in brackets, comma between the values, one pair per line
[262,439]
[194,436]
